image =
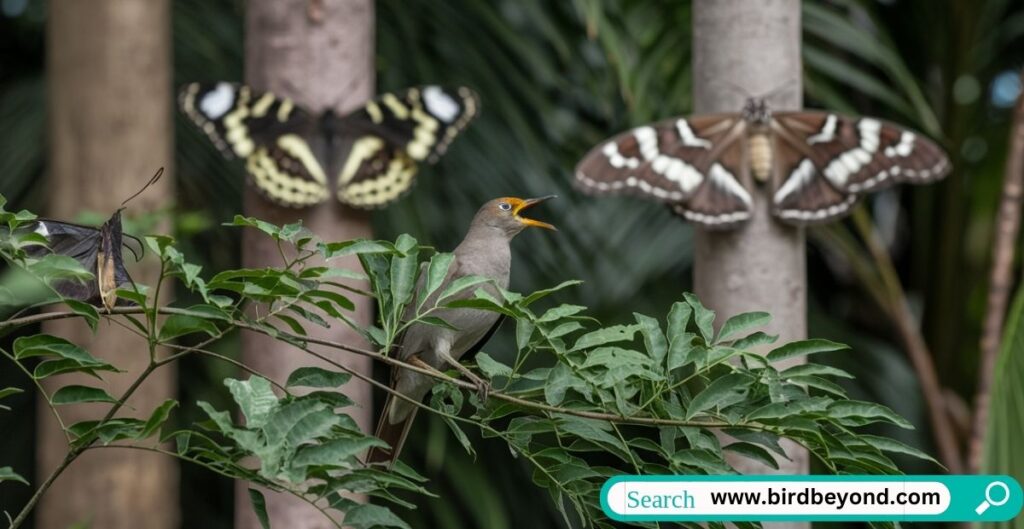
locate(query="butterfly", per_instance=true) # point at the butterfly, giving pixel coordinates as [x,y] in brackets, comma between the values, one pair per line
[294,156]
[817,163]
[97,249]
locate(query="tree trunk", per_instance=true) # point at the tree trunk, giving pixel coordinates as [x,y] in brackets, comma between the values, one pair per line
[321,54]
[110,129]
[754,46]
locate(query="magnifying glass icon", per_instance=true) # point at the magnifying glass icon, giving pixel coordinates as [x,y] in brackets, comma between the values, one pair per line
[989,502]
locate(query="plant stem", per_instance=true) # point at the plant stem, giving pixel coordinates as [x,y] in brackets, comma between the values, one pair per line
[1000,281]
[917,349]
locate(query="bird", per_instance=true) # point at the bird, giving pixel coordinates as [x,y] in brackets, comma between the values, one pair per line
[485,251]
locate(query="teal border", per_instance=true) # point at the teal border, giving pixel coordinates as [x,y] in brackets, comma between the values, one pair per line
[966,492]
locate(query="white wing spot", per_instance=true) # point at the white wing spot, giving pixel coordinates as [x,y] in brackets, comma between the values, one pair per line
[41,229]
[217,101]
[800,177]
[648,141]
[724,179]
[827,133]
[440,104]
[689,138]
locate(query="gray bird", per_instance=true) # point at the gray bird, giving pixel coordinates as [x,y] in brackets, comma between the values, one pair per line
[483,252]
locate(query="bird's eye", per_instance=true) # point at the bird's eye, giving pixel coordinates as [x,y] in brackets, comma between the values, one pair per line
[505,206]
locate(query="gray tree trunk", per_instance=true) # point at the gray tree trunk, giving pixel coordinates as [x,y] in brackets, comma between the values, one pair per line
[321,54]
[760,266]
[110,129]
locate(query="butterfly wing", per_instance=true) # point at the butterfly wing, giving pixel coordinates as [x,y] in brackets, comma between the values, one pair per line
[863,154]
[695,164]
[392,134]
[86,245]
[270,133]
[804,196]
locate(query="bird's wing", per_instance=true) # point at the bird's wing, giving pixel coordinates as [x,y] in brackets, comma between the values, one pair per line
[475,348]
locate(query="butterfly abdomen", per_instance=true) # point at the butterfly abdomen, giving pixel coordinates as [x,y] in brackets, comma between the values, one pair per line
[760,156]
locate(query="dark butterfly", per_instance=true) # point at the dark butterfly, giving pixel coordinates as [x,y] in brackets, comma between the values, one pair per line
[818,163]
[294,157]
[98,250]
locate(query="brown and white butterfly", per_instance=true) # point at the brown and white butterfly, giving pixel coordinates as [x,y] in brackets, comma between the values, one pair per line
[296,157]
[817,163]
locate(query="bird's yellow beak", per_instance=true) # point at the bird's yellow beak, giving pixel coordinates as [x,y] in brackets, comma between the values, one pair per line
[527,204]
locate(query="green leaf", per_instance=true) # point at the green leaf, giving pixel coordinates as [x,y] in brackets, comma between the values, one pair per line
[752,451]
[615,333]
[723,392]
[803,348]
[85,310]
[158,418]
[7,392]
[46,345]
[491,367]
[524,331]
[779,410]
[354,247]
[256,399]
[536,295]
[654,340]
[180,325]
[702,316]
[336,452]
[560,312]
[886,444]
[403,278]
[459,285]
[741,323]
[753,340]
[8,474]
[559,380]
[298,422]
[76,394]
[437,270]
[859,413]
[814,369]
[259,506]
[369,516]
[315,377]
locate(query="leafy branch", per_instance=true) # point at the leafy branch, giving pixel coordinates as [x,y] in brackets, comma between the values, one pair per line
[578,400]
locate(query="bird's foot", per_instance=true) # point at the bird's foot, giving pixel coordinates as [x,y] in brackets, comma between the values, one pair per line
[483,389]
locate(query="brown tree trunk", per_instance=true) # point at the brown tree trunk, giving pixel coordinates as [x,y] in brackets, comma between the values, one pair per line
[321,54]
[110,129]
[760,266]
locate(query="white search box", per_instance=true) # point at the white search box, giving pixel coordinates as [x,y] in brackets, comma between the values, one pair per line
[774,498]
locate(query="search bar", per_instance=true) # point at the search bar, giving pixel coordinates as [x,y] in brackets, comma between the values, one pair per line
[757,498]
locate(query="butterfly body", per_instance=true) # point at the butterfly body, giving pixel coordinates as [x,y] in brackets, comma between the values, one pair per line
[814,164]
[295,157]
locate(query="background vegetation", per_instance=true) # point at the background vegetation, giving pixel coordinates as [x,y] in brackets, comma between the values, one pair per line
[555,78]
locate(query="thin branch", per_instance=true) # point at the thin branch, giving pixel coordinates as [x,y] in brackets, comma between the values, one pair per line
[1007,229]
[917,349]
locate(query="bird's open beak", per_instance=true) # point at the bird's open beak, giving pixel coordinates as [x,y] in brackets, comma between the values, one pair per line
[529,203]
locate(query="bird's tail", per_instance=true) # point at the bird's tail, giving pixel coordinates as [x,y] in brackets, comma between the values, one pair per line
[393,434]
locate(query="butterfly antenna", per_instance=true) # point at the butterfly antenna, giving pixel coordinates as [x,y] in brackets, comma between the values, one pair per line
[739,89]
[776,90]
[159,173]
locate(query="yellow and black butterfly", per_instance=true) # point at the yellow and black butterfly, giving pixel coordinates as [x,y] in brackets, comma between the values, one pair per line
[292,155]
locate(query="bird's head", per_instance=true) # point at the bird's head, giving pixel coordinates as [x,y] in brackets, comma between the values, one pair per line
[504,213]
